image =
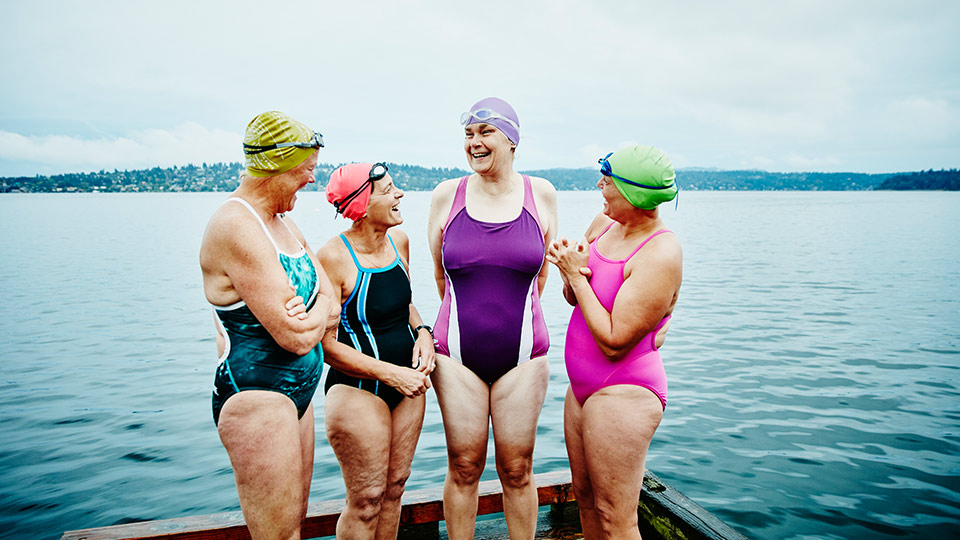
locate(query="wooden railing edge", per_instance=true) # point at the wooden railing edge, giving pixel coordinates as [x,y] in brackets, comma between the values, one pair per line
[419,507]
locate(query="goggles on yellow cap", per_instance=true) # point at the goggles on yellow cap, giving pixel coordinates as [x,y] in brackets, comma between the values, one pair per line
[317,142]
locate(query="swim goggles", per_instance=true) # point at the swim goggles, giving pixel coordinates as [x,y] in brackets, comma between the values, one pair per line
[316,142]
[607,170]
[378,171]
[484,115]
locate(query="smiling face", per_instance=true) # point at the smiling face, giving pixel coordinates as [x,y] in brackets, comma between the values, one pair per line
[384,204]
[614,203]
[487,148]
[297,178]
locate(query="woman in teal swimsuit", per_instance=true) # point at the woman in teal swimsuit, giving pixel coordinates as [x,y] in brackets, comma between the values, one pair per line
[380,356]
[272,304]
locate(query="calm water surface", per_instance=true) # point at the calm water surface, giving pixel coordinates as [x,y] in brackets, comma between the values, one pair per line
[813,362]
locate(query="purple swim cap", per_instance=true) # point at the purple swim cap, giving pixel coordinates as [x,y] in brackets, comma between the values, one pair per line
[500,108]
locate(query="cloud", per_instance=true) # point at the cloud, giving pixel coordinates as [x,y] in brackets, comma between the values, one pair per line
[186,143]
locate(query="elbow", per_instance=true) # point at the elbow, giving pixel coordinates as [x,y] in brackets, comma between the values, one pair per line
[302,347]
[300,344]
[614,352]
[613,355]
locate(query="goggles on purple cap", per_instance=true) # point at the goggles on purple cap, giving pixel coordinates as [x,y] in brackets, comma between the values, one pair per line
[484,115]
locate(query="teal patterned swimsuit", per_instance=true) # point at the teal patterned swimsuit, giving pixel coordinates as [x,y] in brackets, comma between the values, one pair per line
[252,359]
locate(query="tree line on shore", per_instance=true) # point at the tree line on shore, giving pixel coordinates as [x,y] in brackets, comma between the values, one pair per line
[225,177]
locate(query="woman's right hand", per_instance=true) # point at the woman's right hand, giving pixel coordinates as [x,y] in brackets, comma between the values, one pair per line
[408,381]
[570,260]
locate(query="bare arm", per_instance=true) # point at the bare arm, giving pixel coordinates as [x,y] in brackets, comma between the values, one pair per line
[240,263]
[600,221]
[545,196]
[334,257]
[424,356]
[649,292]
[440,204]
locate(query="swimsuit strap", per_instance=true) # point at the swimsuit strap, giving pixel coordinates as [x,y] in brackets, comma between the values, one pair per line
[262,224]
[529,202]
[357,261]
[603,232]
[658,233]
[295,239]
[459,201]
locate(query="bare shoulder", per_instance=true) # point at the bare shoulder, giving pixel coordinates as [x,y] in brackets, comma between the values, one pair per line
[399,237]
[440,204]
[445,191]
[662,251]
[333,253]
[599,223]
[231,228]
[402,241]
[543,187]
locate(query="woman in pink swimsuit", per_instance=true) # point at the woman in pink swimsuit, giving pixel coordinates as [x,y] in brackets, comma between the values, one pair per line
[624,280]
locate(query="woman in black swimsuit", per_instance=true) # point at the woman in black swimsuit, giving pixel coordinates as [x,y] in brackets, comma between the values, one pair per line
[380,356]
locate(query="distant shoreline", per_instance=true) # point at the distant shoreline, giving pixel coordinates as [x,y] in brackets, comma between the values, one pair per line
[223,177]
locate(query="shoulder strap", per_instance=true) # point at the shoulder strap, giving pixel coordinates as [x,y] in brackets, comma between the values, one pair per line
[295,239]
[262,224]
[658,233]
[350,249]
[459,201]
[603,232]
[529,202]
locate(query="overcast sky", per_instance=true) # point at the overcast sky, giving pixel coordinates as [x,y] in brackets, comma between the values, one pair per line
[864,86]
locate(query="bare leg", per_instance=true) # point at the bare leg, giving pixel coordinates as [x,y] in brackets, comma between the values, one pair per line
[407,421]
[262,436]
[358,427]
[515,403]
[307,439]
[618,421]
[465,406]
[572,420]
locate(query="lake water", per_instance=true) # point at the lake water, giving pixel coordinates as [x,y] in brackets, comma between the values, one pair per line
[813,361]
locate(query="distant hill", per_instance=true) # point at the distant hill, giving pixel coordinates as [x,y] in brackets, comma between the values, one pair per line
[225,177]
[946,180]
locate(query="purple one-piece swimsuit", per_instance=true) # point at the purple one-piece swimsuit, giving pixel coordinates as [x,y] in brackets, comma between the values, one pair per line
[490,319]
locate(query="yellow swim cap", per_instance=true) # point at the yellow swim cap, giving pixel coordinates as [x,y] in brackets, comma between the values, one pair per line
[272,128]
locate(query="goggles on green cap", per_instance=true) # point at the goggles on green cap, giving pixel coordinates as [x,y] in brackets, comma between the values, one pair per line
[644,175]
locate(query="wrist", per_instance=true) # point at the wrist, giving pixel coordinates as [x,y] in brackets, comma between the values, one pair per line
[426,327]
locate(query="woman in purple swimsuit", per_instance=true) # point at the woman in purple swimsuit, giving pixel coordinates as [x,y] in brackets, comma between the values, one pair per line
[488,234]
[623,279]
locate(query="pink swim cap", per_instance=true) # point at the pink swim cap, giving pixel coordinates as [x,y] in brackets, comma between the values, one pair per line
[344,181]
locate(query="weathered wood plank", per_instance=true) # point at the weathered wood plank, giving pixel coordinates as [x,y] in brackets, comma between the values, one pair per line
[663,512]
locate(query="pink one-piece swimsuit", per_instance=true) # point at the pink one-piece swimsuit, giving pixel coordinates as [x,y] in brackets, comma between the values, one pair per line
[588,368]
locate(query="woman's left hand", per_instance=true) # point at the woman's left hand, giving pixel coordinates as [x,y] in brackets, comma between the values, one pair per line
[424,355]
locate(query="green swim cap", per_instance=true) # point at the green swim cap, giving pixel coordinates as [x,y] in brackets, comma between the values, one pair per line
[643,174]
[271,128]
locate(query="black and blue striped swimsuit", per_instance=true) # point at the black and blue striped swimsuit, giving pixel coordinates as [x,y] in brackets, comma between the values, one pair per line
[375,320]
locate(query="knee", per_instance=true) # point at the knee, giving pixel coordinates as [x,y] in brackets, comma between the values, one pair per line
[515,472]
[613,517]
[395,486]
[366,504]
[465,470]
[583,493]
